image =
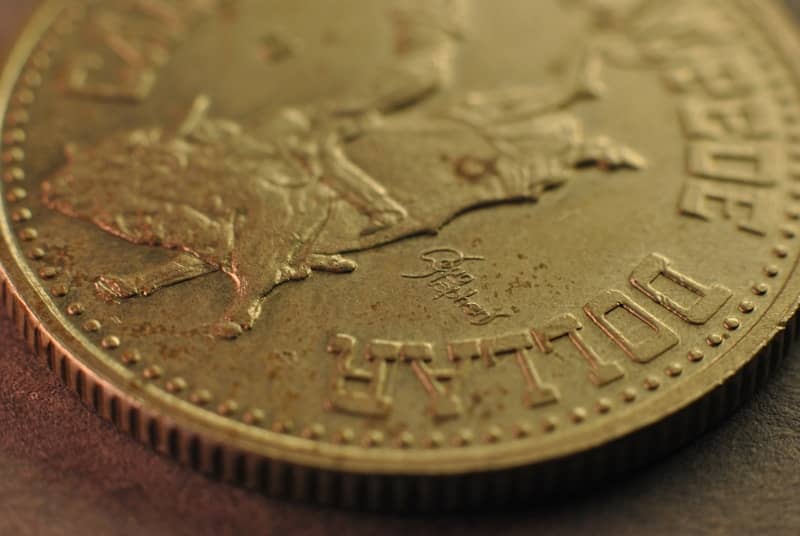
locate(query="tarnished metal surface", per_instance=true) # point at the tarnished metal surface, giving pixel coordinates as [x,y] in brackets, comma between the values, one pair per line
[555,253]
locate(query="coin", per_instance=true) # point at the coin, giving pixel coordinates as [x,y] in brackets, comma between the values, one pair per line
[420,254]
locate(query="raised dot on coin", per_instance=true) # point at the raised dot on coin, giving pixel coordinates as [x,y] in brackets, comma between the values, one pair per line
[674,370]
[494,434]
[21,214]
[14,174]
[715,339]
[405,440]
[435,440]
[176,385]
[771,270]
[315,431]
[788,232]
[760,289]
[36,254]
[781,251]
[16,194]
[75,309]
[696,355]
[578,415]
[747,307]
[629,394]
[200,397]
[652,383]
[344,436]
[604,405]
[33,79]
[110,342]
[228,407]
[92,325]
[24,96]
[253,416]
[731,323]
[374,438]
[463,438]
[15,135]
[282,426]
[523,429]
[131,357]
[28,234]
[550,424]
[48,272]
[14,155]
[153,372]
[60,290]
[19,117]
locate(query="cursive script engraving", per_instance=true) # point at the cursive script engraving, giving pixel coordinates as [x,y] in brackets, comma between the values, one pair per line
[449,280]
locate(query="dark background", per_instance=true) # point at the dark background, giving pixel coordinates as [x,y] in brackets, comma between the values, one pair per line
[65,471]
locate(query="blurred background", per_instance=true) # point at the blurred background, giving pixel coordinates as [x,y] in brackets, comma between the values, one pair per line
[64,471]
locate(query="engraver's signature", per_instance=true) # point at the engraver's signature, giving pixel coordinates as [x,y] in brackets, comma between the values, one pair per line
[449,280]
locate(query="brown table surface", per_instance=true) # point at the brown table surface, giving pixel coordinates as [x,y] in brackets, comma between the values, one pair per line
[65,471]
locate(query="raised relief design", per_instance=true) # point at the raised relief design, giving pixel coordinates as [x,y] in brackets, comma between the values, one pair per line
[536,393]
[371,398]
[283,196]
[731,121]
[567,326]
[660,337]
[361,382]
[364,390]
[707,300]
[743,207]
[132,40]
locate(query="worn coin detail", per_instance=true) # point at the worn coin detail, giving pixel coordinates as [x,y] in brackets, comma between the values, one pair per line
[412,254]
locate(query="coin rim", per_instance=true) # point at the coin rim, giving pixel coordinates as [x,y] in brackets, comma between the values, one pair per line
[52,338]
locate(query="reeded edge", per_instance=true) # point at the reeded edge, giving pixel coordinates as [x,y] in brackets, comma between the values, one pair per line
[302,469]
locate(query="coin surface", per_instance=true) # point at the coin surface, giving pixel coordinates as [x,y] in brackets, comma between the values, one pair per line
[413,254]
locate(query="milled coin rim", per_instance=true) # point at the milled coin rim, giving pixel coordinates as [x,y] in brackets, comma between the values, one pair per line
[85,371]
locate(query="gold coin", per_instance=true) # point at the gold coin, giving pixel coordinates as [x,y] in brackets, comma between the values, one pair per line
[412,254]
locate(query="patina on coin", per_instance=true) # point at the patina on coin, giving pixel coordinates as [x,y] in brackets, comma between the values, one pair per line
[422,253]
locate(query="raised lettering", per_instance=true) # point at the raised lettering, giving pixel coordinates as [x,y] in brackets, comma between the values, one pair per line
[371,400]
[720,75]
[600,372]
[536,392]
[741,206]
[756,164]
[710,299]
[749,118]
[661,337]
[441,384]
